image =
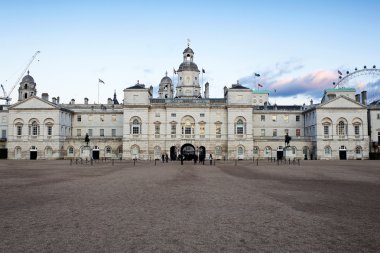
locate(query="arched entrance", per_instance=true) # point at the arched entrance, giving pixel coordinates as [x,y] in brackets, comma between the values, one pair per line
[202,153]
[188,151]
[173,153]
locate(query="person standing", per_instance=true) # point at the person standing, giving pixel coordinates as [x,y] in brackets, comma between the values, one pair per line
[210,158]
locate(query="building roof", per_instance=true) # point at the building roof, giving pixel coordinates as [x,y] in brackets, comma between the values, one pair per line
[340,89]
[188,50]
[260,91]
[188,66]
[27,79]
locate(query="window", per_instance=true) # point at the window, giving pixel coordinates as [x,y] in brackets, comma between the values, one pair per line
[240,151]
[298,118]
[187,130]
[102,132]
[71,150]
[326,131]
[3,134]
[79,132]
[341,128]
[89,117]
[327,150]
[240,127]
[263,118]
[35,129]
[274,132]
[218,151]
[108,150]
[49,130]
[135,127]
[262,132]
[79,118]
[157,129]
[19,130]
[113,132]
[202,115]
[286,118]
[255,150]
[173,129]
[358,150]
[102,117]
[174,115]
[357,130]
[274,118]
[298,132]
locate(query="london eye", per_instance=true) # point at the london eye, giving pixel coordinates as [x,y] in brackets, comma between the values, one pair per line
[365,79]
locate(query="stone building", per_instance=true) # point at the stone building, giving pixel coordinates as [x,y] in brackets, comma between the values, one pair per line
[183,119]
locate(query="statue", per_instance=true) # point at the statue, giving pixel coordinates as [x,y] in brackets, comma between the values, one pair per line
[87,139]
[287,139]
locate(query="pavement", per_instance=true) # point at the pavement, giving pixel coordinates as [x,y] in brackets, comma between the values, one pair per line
[317,206]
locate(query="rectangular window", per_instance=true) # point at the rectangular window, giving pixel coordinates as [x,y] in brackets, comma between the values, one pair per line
[262,132]
[174,115]
[3,134]
[49,130]
[274,132]
[274,118]
[286,118]
[157,129]
[79,132]
[173,129]
[89,132]
[298,118]
[79,118]
[89,117]
[202,115]
[357,130]
[239,130]
[135,130]
[326,131]
[19,130]
[113,117]
[187,130]
[102,132]
[102,117]
[113,131]
[298,132]
[263,118]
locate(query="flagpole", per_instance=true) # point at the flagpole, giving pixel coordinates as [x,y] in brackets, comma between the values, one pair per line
[202,84]
[98,91]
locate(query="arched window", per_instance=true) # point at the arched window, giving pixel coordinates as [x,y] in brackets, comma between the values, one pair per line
[71,151]
[34,129]
[240,127]
[240,150]
[218,150]
[358,150]
[135,150]
[341,131]
[255,150]
[136,126]
[327,151]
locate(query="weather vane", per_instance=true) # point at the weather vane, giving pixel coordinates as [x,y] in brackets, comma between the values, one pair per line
[188,42]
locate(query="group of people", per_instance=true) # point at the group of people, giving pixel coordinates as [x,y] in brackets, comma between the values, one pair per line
[165,158]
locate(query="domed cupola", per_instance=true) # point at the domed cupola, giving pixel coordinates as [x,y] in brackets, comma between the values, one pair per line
[27,88]
[188,75]
[166,87]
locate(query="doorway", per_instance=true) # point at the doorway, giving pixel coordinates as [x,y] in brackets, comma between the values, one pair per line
[342,153]
[188,151]
[173,153]
[33,153]
[95,153]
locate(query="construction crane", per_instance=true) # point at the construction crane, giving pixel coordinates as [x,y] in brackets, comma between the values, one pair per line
[6,96]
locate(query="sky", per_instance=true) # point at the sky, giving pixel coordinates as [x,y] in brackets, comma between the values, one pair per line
[296,46]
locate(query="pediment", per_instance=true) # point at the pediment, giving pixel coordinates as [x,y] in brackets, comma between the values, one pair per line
[342,102]
[34,103]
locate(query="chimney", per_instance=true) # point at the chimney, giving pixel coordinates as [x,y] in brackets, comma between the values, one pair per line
[45,96]
[265,105]
[311,101]
[54,100]
[225,90]
[357,98]
[207,90]
[72,101]
[364,97]
[109,101]
[58,100]
[86,101]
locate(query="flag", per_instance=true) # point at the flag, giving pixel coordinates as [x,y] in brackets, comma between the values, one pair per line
[260,85]
[257,74]
[174,72]
[203,71]
[101,81]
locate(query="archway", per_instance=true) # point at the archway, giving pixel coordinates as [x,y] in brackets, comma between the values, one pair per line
[173,153]
[188,151]
[202,153]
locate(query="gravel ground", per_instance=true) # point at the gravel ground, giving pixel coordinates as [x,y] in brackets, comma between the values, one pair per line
[319,206]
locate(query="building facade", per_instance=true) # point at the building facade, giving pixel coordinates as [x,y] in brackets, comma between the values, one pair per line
[185,120]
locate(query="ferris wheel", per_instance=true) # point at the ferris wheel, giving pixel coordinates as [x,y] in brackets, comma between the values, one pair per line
[367,79]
